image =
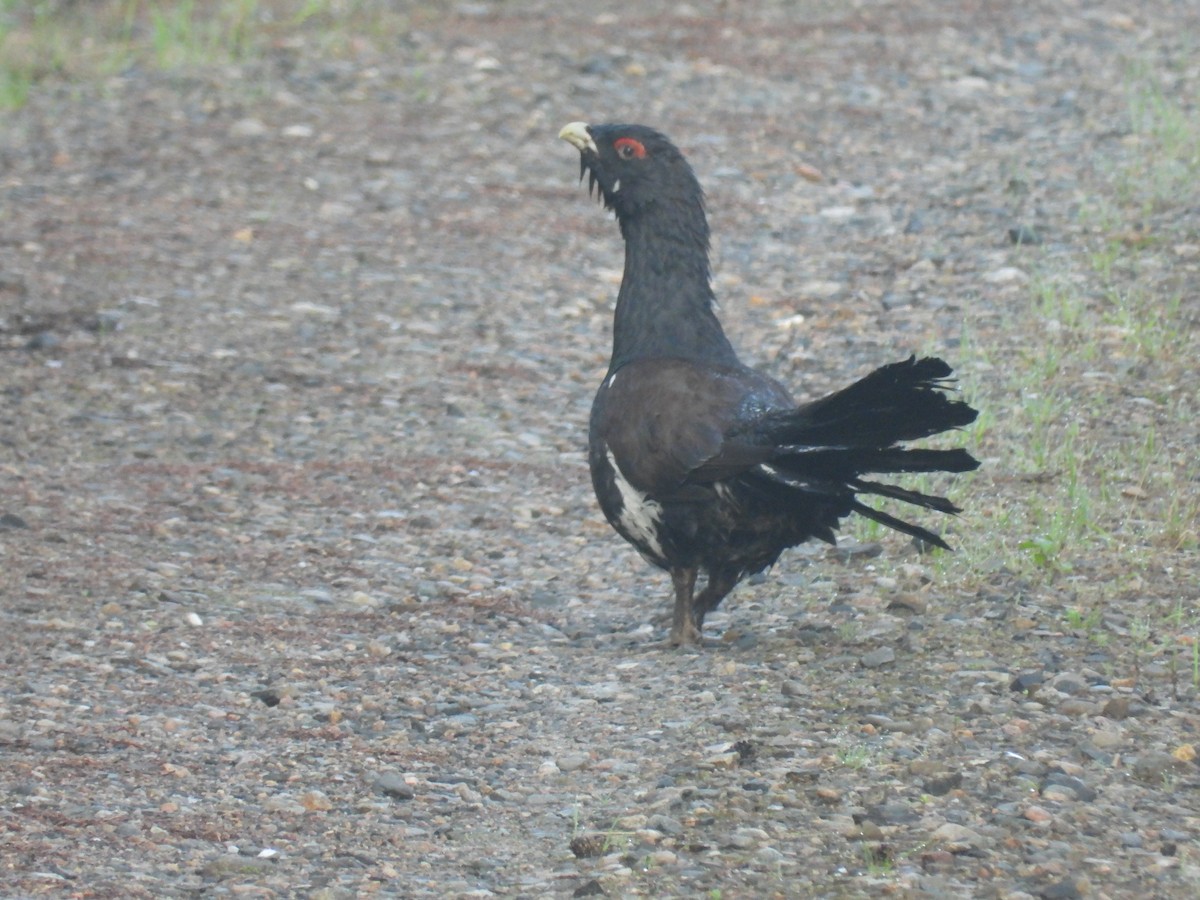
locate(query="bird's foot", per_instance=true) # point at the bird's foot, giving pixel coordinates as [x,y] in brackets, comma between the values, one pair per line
[685,635]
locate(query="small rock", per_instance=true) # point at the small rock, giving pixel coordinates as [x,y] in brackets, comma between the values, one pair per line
[865,830]
[1078,708]
[940,785]
[1153,766]
[957,838]
[908,602]
[1116,709]
[745,838]
[315,801]
[585,846]
[1038,815]
[892,814]
[1069,683]
[827,795]
[235,866]
[247,128]
[1023,235]
[852,550]
[572,762]
[665,824]
[335,211]
[878,658]
[768,855]
[723,760]
[1058,793]
[12,520]
[380,156]
[1066,889]
[821,290]
[43,340]
[1005,275]
[793,689]
[393,785]
[1076,787]
[1027,681]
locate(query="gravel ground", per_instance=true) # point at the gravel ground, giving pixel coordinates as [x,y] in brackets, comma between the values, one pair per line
[306,591]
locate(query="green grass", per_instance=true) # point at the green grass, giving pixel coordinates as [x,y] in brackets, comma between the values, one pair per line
[856,756]
[57,41]
[1087,390]
[1164,162]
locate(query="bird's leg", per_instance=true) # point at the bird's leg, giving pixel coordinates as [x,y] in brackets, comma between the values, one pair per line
[684,627]
[719,584]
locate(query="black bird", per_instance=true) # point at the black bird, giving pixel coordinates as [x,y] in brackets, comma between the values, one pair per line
[700,462]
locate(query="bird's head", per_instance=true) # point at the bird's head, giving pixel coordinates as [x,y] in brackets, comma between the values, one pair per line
[634,168]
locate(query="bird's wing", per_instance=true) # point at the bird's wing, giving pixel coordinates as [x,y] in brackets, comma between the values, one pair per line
[682,425]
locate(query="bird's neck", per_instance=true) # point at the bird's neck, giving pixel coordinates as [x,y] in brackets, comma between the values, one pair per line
[665,305]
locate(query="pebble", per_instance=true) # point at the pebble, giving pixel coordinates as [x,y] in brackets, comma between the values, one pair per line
[248,128]
[1038,815]
[572,762]
[940,785]
[793,689]
[1069,683]
[1075,787]
[745,838]
[723,760]
[1006,275]
[878,658]
[1024,235]
[665,824]
[769,855]
[1152,766]
[958,838]
[1077,708]
[393,785]
[1116,709]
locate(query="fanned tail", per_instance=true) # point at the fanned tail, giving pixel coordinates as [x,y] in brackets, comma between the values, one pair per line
[904,401]
[826,446]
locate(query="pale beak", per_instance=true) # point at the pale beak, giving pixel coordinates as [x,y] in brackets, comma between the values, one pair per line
[576,134]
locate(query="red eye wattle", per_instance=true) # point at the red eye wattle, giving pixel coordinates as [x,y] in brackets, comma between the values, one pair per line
[628,148]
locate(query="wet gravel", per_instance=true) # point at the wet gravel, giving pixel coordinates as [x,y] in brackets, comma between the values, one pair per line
[305,589]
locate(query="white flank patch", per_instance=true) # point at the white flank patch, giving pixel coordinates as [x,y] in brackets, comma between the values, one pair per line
[640,516]
[616,185]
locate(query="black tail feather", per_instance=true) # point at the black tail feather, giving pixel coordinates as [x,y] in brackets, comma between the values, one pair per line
[895,492]
[900,525]
[847,462]
[823,448]
[903,401]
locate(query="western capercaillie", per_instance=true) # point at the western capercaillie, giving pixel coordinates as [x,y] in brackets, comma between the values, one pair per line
[706,466]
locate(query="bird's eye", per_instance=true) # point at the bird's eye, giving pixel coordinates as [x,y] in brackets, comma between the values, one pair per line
[628,148]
